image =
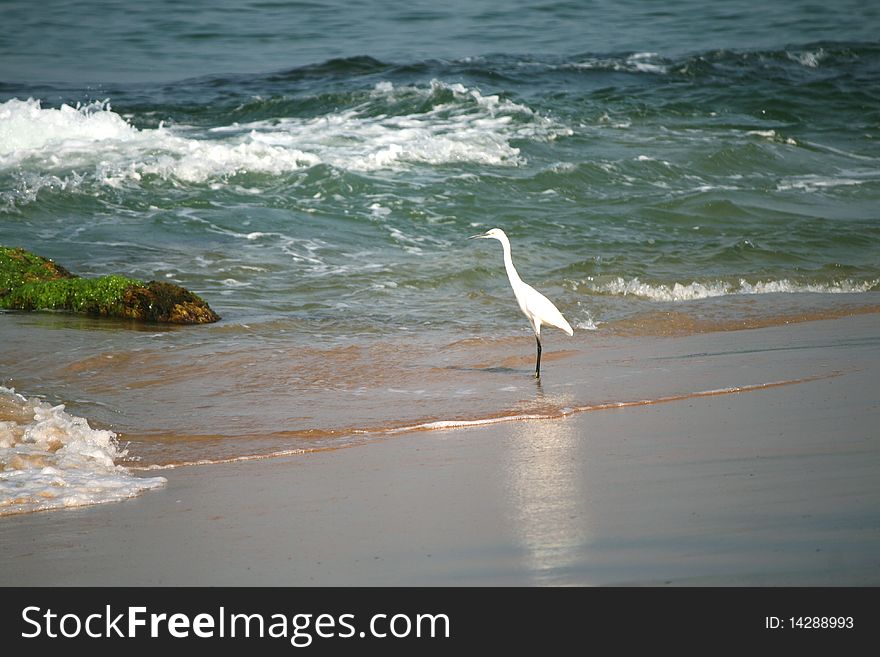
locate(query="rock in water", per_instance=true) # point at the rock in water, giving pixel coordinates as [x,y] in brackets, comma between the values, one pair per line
[165,302]
[32,282]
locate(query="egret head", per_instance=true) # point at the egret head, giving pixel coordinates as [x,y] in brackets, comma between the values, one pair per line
[494,233]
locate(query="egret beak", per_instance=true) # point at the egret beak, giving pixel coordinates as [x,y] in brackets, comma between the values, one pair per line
[478,237]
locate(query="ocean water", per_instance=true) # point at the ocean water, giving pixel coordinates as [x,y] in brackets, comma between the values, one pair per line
[313,170]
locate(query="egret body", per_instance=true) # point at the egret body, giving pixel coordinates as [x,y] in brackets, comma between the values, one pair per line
[535,306]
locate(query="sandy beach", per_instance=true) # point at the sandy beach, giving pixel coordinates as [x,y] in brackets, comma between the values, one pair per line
[695,190]
[775,484]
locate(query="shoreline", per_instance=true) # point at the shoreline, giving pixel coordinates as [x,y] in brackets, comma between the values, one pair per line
[255,397]
[776,486]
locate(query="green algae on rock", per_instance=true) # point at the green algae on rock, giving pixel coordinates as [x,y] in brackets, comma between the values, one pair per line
[32,282]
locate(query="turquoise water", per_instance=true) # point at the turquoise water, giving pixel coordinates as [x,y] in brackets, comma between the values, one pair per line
[624,148]
[314,169]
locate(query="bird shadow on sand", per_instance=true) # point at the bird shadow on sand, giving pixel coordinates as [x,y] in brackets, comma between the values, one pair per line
[500,370]
[493,370]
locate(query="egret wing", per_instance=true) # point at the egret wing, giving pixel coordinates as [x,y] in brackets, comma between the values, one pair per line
[541,308]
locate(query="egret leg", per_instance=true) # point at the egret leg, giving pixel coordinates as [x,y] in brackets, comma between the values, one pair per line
[538,364]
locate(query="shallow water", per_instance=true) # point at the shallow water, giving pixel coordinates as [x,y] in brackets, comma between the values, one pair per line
[314,174]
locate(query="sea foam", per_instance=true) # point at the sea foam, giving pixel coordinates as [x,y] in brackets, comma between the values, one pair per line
[50,459]
[25,126]
[639,62]
[696,290]
[449,123]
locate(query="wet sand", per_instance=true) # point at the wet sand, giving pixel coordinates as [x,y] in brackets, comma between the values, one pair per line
[769,485]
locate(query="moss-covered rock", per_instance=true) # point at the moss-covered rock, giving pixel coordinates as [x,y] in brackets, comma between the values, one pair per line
[18,267]
[31,282]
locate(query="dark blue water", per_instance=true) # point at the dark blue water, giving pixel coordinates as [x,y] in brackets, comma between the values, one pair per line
[95,43]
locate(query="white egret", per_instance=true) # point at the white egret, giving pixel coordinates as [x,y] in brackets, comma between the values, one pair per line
[535,306]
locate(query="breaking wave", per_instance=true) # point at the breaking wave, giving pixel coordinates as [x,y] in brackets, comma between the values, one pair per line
[696,290]
[441,124]
[50,459]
